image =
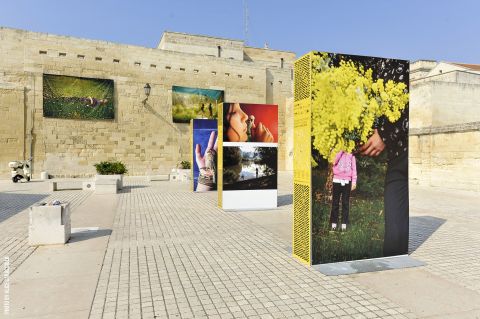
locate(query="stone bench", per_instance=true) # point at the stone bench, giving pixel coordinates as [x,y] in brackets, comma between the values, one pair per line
[71,185]
[160,177]
[49,224]
[106,186]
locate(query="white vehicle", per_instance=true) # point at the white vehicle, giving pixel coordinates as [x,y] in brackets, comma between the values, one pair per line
[21,171]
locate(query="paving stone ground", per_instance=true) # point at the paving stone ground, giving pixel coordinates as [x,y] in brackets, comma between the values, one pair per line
[174,254]
[14,214]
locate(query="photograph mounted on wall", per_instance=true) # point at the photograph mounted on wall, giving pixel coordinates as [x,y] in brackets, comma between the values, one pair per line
[78,98]
[249,167]
[193,103]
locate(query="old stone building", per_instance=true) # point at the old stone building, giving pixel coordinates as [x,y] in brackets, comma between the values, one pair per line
[444,104]
[141,135]
[445,125]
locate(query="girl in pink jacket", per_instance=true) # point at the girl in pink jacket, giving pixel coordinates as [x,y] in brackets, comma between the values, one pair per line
[344,181]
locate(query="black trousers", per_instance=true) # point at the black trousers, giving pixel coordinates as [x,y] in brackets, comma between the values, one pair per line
[344,193]
[396,207]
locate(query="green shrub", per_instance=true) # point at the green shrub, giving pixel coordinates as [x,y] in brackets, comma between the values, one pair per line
[110,168]
[185,165]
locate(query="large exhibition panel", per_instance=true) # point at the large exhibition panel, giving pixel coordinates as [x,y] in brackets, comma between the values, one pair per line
[350,157]
[204,154]
[248,156]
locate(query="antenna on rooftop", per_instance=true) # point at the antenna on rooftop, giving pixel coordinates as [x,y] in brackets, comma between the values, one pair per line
[245,21]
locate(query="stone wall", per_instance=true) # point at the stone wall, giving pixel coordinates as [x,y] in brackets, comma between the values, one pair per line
[448,159]
[12,128]
[143,136]
[444,143]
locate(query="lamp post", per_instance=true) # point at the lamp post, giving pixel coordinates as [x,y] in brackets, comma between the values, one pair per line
[146,89]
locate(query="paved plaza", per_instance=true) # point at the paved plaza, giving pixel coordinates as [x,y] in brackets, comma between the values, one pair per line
[157,250]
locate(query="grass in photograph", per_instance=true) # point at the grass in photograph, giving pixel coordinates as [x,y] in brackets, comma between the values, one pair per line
[77,98]
[364,236]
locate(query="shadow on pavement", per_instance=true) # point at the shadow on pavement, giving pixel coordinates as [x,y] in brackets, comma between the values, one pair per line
[89,234]
[12,204]
[284,200]
[128,189]
[421,228]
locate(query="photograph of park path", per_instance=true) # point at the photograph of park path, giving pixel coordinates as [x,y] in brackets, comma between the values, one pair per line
[194,103]
[249,167]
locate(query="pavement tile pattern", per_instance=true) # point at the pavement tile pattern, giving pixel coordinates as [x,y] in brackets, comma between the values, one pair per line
[15,199]
[173,254]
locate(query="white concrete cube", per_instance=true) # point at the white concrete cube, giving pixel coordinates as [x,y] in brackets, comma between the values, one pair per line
[49,224]
[185,174]
[174,177]
[88,186]
[52,186]
[180,175]
[106,186]
[117,177]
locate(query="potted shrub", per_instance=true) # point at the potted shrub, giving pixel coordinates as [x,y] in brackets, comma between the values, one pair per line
[111,170]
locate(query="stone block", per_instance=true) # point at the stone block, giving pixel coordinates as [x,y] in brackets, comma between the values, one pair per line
[49,224]
[118,178]
[106,186]
[52,186]
[88,186]
[161,177]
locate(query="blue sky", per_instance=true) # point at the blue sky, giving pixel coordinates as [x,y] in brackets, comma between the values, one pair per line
[422,29]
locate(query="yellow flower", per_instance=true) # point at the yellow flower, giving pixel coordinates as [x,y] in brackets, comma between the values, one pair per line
[346,103]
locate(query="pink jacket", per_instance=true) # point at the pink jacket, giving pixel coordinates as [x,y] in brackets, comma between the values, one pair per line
[345,167]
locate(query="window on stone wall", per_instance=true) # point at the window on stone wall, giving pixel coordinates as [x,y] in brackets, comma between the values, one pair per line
[195,71]
[80,56]
[251,77]
[219,51]
[168,67]
[239,76]
[42,52]
[116,61]
[227,74]
[153,65]
[137,63]
[98,58]
[281,62]
[182,69]
[62,54]
[214,73]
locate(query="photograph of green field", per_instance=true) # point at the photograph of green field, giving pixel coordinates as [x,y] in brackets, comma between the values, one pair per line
[70,97]
[193,103]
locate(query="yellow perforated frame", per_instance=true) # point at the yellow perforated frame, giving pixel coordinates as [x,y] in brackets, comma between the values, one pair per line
[192,156]
[220,155]
[302,190]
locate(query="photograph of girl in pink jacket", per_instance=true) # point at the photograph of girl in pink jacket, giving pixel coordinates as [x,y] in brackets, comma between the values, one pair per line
[344,181]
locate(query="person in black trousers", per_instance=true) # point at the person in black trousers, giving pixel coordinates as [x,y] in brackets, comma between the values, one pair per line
[393,137]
